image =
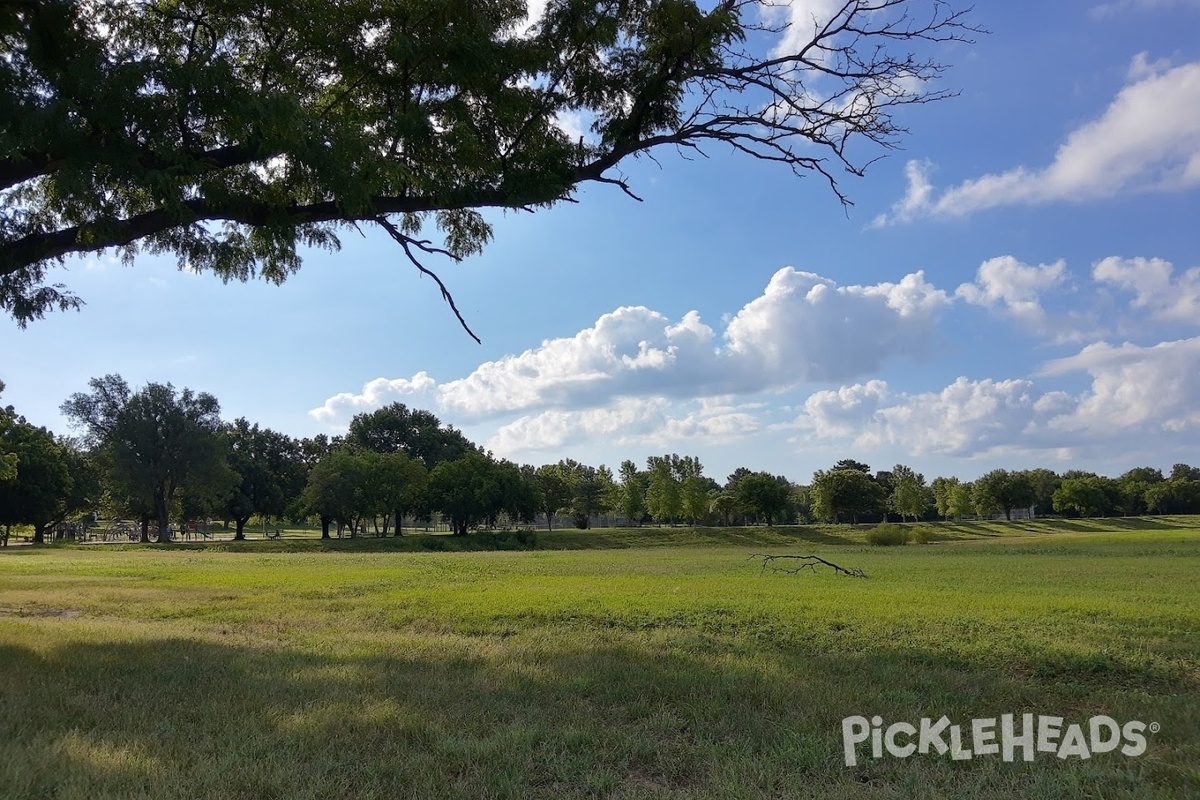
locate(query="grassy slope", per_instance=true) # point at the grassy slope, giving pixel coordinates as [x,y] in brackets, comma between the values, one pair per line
[619,671]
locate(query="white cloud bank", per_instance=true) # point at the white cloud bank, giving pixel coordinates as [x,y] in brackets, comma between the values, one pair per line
[1148,139]
[637,377]
[1135,393]
[628,421]
[803,328]
[1105,10]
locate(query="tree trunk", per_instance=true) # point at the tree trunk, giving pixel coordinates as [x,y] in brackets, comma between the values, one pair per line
[324,527]
[399,522]
[162,502]
[1008,514]
[145,529]
[39,533]
[239,533]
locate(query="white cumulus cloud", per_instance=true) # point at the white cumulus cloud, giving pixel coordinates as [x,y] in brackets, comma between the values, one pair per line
[1014,288]
[803,328]
[1134,388]
[1148,139]
[374,394]
[1156,289]
[803,20]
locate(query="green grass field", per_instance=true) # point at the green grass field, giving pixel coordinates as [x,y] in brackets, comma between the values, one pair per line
[622,664]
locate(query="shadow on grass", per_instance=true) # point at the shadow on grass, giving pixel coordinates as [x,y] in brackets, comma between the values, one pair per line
[468,717]
[652,536]
[558,539]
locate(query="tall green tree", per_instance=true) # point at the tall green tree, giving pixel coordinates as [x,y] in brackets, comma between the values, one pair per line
[1088,497]
[1184,472]
[396,483]
[8,458]
[520,492]
[590,489]
[961,500]
[53,479]
[763,495]
[694,498]
[465,490]
[631,492]
[846,492]
[417,433]
[910,497]
[338,489]
[1174,496]
[268,472]
[555,491]
[153,440]
[943,489]
[232,134]
[1133,486]
[1045,483]
[664,500]
[1001,490]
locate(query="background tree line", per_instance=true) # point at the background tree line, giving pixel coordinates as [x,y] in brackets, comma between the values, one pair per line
[166,457]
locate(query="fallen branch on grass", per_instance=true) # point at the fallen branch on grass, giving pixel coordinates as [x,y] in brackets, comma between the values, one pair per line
[807,562]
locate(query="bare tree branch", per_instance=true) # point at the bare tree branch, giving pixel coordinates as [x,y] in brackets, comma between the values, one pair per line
[806,563]
[408,243]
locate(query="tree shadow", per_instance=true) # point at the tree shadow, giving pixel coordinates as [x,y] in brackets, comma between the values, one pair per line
[484,716]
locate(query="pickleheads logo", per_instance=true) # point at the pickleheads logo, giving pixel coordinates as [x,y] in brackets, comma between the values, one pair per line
[1030,736]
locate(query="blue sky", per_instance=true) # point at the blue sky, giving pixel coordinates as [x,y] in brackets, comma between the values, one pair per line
[1019,286]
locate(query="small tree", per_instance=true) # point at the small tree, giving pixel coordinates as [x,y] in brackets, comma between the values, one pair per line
[554,491]
[724,505]
[909,497]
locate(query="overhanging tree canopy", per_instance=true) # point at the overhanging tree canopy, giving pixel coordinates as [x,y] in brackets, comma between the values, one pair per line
[231,132]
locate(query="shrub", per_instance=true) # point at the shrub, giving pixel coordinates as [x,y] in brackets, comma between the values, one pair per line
[923,536]
[887,535]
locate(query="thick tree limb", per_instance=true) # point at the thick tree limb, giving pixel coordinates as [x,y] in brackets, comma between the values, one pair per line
[134,133]
[805,562]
